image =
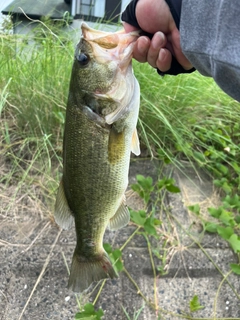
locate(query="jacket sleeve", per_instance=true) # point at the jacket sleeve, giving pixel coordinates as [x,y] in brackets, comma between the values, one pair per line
[210,39]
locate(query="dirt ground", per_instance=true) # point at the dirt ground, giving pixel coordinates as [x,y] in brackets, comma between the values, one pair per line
[34,253]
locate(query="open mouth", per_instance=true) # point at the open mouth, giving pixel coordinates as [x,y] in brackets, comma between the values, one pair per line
[116,46]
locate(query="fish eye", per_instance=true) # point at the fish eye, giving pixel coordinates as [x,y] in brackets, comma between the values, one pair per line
[83,59]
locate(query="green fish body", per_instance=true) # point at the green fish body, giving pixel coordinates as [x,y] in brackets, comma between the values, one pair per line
[100,133]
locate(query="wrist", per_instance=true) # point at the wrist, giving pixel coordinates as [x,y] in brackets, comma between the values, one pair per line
[129,14]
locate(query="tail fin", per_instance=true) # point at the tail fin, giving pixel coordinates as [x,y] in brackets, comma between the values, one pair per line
[85,271]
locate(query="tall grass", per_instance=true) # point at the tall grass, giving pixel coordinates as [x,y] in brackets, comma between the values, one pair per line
[39,68]
[35,71]
[177,114]
[184,115]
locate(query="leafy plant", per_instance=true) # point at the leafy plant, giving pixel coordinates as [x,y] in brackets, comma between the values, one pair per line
[221,154]
[144,187]
[194,304]
[235,268]
[115,257]
[148,223]
[226,223]
[168,184]
[89,313]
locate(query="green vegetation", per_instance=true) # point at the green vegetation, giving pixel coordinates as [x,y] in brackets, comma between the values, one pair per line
[89,313]
[194,304]
[226,223]
[181,118]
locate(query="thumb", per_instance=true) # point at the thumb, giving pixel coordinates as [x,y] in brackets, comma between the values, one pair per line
[128,27]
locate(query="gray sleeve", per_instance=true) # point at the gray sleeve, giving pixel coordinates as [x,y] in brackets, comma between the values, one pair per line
[210,39]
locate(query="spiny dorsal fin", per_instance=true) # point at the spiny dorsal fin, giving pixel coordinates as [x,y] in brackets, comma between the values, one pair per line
[62,214]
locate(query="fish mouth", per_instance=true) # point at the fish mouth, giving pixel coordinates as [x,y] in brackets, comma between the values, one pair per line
[106,46]
[115,49]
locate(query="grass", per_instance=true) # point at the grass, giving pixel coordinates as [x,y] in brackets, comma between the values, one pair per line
[181,118]
[184,104]
[39,77]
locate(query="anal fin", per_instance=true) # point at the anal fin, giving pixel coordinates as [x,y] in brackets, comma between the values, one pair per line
[121,217]
[62,214]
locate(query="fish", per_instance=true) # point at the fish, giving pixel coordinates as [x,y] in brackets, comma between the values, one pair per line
[99,136]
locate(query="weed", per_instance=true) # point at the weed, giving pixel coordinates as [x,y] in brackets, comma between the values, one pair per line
[89,313]
[135,315]
[194,304]
[115,257]
[226,223]
[144,187]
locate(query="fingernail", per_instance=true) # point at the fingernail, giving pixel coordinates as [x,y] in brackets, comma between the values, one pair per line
[143,45]
[158,40]
[161,55]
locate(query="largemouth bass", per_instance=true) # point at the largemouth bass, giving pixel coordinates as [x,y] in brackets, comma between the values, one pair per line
[100,133]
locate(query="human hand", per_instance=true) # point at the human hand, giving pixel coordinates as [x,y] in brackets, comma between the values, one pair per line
[154,17]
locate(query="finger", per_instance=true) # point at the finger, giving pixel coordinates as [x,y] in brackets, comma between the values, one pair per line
[186,64]
[174,39]
[128,27]
[158,42]
[141,48]
[164,60]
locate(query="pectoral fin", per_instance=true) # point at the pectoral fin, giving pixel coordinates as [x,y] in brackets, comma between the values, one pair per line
[121,217]
[135,146]
[62,214]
